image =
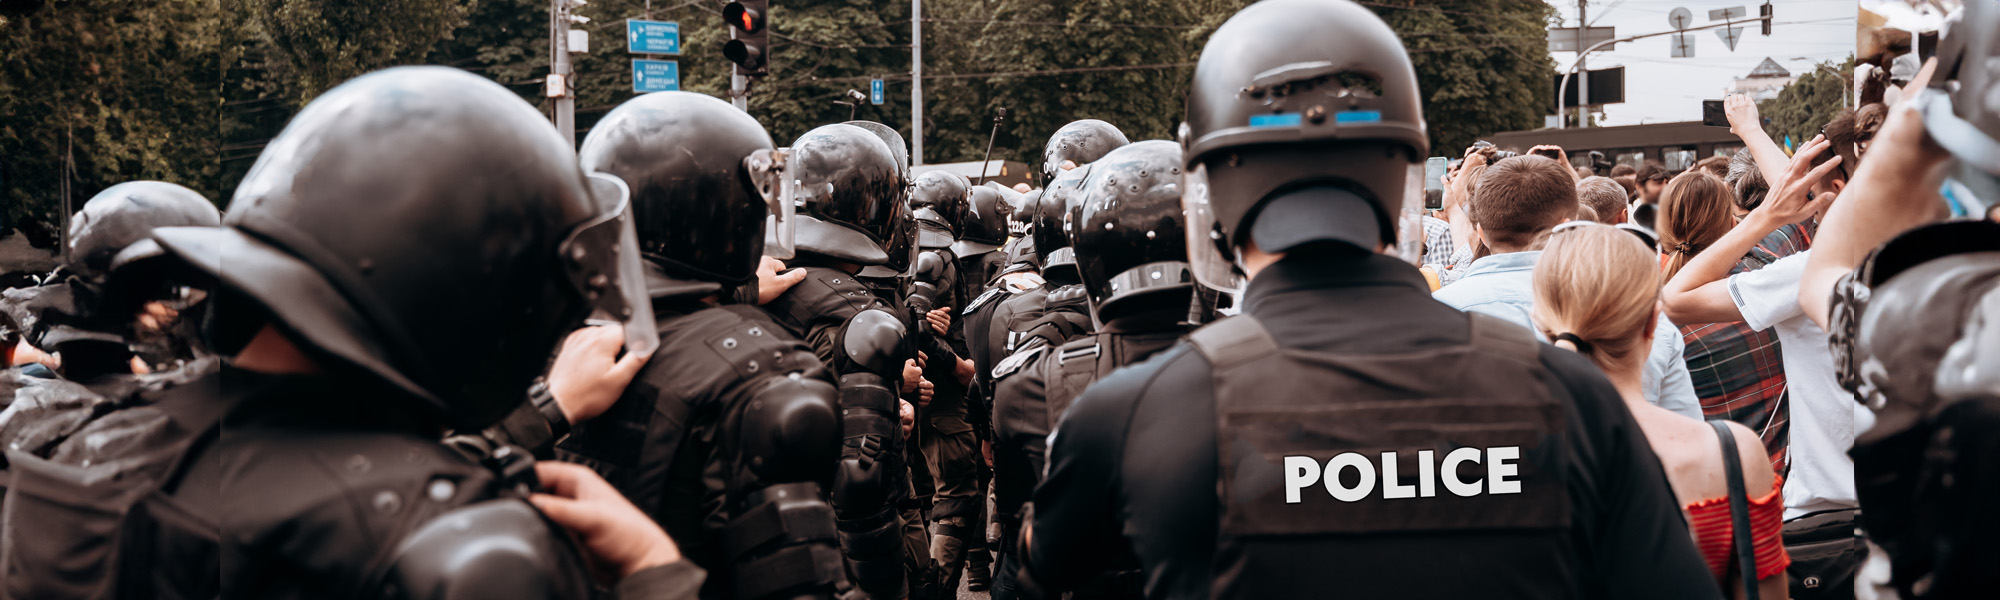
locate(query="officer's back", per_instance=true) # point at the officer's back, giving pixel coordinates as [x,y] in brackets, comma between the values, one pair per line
[1348,434]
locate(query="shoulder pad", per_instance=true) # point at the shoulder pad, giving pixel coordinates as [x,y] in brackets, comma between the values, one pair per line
[931,266]
[493,549]
[989,296]
[1015,361]
[826,293]
[873,340]
[753,348]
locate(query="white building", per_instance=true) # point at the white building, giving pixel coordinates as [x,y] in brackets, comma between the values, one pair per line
[1764,81]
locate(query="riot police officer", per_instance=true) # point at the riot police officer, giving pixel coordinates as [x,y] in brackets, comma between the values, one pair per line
[848,194]
[738,472]
[112,302]
[122,324]
[401,260]
[1297,450]
[1131,251]
[953,427]
[981,236]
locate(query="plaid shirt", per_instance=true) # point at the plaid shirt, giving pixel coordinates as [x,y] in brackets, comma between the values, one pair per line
[1738,372]
[1448,260]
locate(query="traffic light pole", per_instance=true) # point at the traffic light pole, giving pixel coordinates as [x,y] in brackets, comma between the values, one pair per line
[739,93]
[560,71]
[916,82]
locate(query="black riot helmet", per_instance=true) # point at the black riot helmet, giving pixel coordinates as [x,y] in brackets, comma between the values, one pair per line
[1961,109]
[1080,143]
[1308,109]
[898,147]
[1049,214]
[849,195]
[986,219]
[1130,236]
[941,202]
[426,227]
[695,207]
[122,218]
[1932,378]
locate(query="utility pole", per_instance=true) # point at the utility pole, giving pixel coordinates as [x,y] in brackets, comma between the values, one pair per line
[1583,80]
[559,85]
[916,82]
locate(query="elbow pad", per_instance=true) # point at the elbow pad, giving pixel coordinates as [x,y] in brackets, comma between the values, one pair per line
[493,549]
[873,341]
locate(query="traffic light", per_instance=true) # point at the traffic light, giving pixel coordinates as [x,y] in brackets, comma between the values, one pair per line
[749,41]
[1765,12]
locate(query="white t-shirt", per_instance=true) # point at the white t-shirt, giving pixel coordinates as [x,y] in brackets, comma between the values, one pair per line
[1824,417]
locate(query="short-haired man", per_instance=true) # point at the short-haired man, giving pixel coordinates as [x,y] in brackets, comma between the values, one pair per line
[1651,179]
[1520,199]
[1605,197]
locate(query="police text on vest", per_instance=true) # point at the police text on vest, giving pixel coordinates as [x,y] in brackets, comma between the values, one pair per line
[1502,474]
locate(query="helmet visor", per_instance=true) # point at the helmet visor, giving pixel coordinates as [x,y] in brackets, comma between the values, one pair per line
[1408,216]
[602,257]
[774,177]
[1210,257]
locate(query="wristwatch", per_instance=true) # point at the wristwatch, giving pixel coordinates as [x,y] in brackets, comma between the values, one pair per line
[545,403]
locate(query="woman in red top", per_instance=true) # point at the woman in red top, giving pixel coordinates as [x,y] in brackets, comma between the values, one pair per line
[1597,292]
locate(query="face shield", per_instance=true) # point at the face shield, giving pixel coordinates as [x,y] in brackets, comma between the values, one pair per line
[602,257]
[772,174]
[1209,255]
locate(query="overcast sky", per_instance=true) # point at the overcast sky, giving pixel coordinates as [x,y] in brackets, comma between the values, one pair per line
[1660,89]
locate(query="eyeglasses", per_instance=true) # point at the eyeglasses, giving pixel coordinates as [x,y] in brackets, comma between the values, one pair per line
[1641,232]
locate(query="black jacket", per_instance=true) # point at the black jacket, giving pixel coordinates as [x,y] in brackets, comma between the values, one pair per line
[1135,462]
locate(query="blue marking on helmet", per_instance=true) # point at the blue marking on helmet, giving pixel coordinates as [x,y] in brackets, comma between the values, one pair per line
[1358,116]
[1277,120]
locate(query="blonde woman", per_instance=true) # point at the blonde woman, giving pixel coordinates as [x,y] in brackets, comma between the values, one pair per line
[1597,292]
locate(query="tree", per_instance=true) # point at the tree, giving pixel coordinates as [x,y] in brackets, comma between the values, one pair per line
[1803,107]
[1483,66]
[126,89]
[321,43]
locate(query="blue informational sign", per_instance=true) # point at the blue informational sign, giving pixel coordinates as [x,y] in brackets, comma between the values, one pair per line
[652,37]
[875,91]
[655,75]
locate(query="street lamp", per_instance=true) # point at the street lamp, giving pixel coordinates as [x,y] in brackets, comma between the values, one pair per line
[1847,83]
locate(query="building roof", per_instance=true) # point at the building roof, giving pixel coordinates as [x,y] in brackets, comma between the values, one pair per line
[1769,68]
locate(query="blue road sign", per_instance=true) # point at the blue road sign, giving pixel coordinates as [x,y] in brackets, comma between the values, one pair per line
[875,91]
[652,37]
[655,75]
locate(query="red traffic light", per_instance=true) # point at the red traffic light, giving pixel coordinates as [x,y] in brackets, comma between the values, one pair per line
[743,17]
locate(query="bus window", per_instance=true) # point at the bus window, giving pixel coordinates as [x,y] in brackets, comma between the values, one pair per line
[1678,158]
[1631,157]
[1728,150]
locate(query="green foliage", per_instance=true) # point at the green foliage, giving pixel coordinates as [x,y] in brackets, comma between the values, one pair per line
[1483,65]
[1803,107]
[320,43]
[125,87]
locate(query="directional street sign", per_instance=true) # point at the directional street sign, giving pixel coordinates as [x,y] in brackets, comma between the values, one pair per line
[1683,45]
[655,75]
[1563,39]
[1680,18]
[1724,14]
[875,91]
[652,37]
[1729,36]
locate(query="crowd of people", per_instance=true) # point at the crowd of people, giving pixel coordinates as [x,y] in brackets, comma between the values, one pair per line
[433,351]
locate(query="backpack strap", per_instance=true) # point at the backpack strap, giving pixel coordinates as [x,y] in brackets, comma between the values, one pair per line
[1739,510]
[1233,341]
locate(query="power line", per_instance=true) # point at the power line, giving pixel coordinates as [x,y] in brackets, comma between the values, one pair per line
[1063,23]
